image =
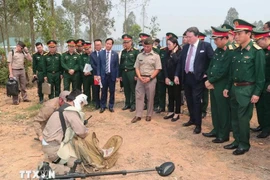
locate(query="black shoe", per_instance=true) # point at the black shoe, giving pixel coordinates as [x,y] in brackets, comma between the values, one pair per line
[97,107]
[189,123]
[209,134]
[111,109]
[230,146]
[168,117]
[156,109]
[145,107]
[125,108]
[263,134]
[197,130]
[220,140]
[257,129]
[26,100]
[160,110]
[102,110]
[175,119]
[132,109]
[204,115]
[239,151]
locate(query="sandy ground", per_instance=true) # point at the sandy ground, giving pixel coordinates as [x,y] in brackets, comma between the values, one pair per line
[145,145]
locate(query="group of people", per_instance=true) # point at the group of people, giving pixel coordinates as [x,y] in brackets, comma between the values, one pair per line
[235,73]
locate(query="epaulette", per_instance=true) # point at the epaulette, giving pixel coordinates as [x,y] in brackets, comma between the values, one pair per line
[236,45]
[77,53]
[58,53]
[256,46]
[135,48]
[163,48]
[230,47]
[45,53]
[34,53]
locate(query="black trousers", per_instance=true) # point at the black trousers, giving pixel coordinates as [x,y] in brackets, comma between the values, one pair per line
[194,92]
[174,93]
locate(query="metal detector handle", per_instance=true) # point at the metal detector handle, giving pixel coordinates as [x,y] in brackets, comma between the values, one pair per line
[73,169]
[85,122]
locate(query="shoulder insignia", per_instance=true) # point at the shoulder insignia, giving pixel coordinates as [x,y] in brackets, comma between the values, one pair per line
[230,47]
[135,48]
[256,46]
[58,53]
[45,53]
[236,45]
[163,48]
[77,53]
[34,53]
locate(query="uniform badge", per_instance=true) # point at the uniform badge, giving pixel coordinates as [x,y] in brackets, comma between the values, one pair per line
[236,23]
[38,57]
[225,47]
[56,57]
[248,47]
[246,57]
[66,57]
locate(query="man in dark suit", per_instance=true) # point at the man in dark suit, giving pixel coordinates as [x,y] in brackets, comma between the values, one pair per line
[107,70]
[192,67]
[94,59]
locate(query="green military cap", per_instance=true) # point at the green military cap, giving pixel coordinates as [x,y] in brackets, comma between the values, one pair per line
[126,37]
[219,32]
[51,43]
[227,26]
[202,36]
[260,34]
[148,41]
[241,25]
[170,34]
[71,42]
[79,42]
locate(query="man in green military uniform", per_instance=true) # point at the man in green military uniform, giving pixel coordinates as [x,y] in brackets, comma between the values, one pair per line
[52,69]
[246,82]
[70,63]
[79,50]
[231,33]
[217,75]
[142,37]
[37,66]
[88,78]
[262,107]
[127,72]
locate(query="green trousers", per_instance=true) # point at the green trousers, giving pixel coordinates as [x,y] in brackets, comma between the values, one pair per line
[220,111]
[70,79]
[40,77]
[242,111]
[205,100]
[88,82]
[129,85]
[263,111]
[80,80]
[55,81]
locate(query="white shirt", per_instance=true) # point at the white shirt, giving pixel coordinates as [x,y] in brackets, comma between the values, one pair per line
[192,59]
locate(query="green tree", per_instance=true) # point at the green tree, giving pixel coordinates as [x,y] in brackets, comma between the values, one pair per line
[259,25]
[154,27]
[134,31]
[231,15]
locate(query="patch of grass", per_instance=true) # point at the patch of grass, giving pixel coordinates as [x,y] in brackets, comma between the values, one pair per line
[34,107]
[20,117]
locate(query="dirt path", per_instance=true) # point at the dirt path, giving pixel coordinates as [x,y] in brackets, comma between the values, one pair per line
[146,145]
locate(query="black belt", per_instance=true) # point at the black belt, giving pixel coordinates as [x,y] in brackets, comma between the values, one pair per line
[146,75]
[126,70]
[18,69]
[243,83]
[53,72]
[108,73]
[189,72]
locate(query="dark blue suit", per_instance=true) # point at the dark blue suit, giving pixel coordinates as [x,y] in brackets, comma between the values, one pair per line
[108,80]
[94,59]
[194,81]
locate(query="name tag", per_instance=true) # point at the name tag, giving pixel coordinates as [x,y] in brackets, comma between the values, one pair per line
[201,51]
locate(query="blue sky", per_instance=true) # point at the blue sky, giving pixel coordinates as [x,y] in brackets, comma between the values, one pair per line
[177,15]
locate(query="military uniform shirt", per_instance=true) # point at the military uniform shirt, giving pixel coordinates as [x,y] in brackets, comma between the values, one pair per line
[38,62]
[248,65]
[70,61]
[147,63]
[128,59]
[52,63]
[220,63]
[85,59]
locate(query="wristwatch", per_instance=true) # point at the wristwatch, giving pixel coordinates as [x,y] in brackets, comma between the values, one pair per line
[151,78]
